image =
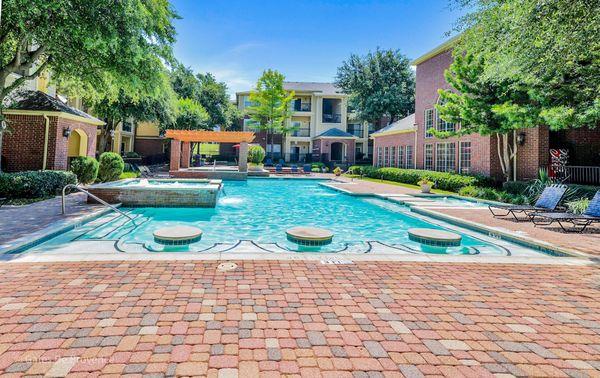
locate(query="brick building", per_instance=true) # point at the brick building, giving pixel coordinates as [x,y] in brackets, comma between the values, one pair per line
[475,153]
[45,133]
[394,144]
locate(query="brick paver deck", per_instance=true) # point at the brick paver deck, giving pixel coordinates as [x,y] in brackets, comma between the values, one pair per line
[299,319]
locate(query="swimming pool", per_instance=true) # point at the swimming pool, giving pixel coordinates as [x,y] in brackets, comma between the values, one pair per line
[260,210]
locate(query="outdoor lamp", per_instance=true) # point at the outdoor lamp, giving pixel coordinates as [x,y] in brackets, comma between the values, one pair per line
[521,139]
[3,125]
[66,132]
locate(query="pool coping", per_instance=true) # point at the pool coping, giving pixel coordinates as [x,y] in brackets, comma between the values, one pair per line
[538,245]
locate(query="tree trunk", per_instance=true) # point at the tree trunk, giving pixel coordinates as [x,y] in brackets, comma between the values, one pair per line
[1,135]
[507,154]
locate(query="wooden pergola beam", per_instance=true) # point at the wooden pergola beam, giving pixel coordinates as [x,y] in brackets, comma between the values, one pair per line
[210,136]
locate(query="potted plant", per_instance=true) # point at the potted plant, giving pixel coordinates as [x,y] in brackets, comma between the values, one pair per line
[337,171]
[426,185]
[256,155]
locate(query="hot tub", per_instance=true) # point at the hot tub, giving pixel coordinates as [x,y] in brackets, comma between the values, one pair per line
[159,192]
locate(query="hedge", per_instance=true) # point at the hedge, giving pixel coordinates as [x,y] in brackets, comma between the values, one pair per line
[34,184]
[443,180]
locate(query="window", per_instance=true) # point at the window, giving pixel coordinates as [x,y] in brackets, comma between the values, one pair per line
[275,148]
[445,157]
[401,157]
[443,125]
[250,125]
[386,156]
[247,102]
[429,118]
[428,160]
[301,129]
[409,157]
[393,161]
[465,157]
[379,156]
[356,129]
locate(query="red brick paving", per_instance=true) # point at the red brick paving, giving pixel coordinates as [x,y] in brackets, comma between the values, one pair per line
[299,319]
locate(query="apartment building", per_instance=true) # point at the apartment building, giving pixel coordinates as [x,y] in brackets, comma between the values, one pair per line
[477,154]
[324,129]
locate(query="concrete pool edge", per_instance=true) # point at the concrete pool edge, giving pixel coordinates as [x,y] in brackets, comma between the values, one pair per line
[538,245]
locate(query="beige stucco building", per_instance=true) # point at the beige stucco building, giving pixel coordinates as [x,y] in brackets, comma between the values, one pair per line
[318,109]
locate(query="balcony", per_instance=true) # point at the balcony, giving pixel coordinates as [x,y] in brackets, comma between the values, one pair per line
[332,118]
[356,129]
[302,107]
[302,132]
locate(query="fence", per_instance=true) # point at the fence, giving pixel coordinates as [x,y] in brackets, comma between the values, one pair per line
[579,174]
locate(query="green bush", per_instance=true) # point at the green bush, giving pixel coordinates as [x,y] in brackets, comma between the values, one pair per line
[515,187]
[443,180]
[316,170]
[317,165]
[578,206]
[34,184]
[85,168]
[256,154]
[132,154]
[111,167]
[469,191]
[358,169]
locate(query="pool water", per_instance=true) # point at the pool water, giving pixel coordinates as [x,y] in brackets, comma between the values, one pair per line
[261,210]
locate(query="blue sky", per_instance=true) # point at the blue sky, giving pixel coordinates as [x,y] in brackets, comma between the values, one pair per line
[304,39]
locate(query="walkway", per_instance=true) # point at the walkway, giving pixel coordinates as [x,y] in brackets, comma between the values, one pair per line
[588,242]
[299,318]
[20,222]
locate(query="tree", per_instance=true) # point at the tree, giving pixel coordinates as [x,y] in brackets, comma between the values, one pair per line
[191,116]
[271,107]
[207,91]
[379,84]
[552,48]
[486,107]
[114,47]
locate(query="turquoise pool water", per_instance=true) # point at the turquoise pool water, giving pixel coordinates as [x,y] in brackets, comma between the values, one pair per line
[261,210]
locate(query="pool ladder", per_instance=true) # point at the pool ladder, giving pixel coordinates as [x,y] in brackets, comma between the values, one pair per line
[73,186]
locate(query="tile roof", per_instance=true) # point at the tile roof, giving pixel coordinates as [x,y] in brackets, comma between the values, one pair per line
[404,124]
[37,100]
[335,133]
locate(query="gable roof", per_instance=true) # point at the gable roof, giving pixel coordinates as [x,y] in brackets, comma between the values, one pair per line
[335,133]
[324,88]
[448,45]
[29,100]
[404,125]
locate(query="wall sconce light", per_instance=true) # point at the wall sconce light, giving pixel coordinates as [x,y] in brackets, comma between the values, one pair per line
[521,139]
[66,132]
[3,125]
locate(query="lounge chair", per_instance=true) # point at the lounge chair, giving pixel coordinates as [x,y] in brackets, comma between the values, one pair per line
[269,162]
[548,201]
[579,221]
[295,168]
[3,201]
[282,162]
[307,168]
[278,168]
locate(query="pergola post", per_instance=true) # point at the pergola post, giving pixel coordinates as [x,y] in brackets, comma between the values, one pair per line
[175,155]
[185,154]
[243,158]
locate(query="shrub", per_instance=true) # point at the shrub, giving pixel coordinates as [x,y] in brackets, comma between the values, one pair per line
[469,191]
[111,167]
[355,170]
[85,168]
[34,184]
[132,154]
[578,206]
[443,180]
[317,165]
[129,175]
[515,187]
[489,194]
[338,171]
[316,170]
[256,154]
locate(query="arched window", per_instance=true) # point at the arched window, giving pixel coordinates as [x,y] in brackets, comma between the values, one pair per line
[442,125]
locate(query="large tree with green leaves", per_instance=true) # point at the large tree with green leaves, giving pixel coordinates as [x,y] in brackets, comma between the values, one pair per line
[550,47]
[380,84]
[487,107]
[191,116]
[271,109]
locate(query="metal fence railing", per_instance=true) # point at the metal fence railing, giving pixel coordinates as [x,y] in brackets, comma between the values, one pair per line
[577,174]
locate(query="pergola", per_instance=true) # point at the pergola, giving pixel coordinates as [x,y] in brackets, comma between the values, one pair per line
[181,142]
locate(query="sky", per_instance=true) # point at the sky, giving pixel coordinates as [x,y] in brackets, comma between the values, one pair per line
[306,40]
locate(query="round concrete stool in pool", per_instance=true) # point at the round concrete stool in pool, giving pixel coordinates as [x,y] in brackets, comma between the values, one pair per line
[435,238]
[309,236]
[177,235]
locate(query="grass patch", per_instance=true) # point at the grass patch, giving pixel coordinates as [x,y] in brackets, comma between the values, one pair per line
[129,175]
[416,187]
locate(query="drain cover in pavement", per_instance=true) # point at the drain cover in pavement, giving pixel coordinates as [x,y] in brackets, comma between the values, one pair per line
[225,267]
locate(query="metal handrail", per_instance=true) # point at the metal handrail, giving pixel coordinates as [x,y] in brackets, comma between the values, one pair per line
[73,186]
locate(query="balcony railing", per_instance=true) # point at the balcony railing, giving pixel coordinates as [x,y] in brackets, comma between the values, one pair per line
[356,131]
[303,107]
[577,174]
[303,132]
[332,118]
